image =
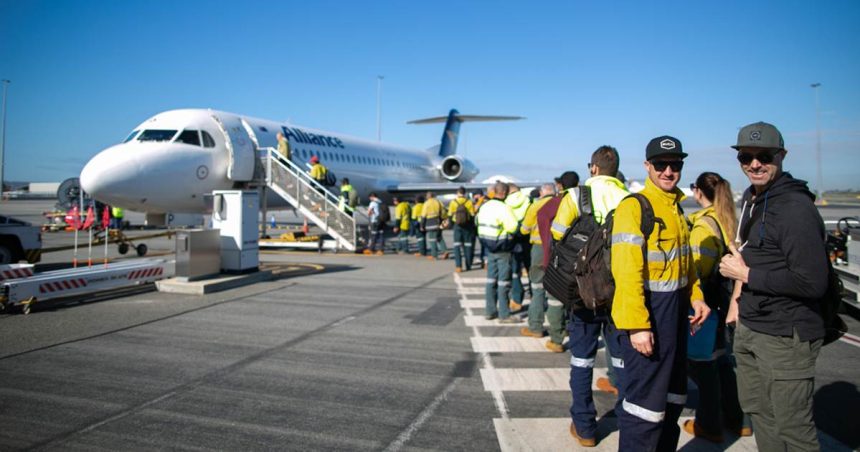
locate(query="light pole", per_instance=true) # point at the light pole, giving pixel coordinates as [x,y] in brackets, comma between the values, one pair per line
[817,141]
[379,107]
[3,139]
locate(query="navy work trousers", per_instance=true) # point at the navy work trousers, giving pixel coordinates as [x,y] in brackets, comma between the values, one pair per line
[655,387]
[584,330]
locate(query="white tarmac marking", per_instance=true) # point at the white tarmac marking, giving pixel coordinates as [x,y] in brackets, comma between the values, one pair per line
[407,433]
[466,303]
[480,320]
[850,339]
[472,291]
[508,344]
[498,397]
[548,379]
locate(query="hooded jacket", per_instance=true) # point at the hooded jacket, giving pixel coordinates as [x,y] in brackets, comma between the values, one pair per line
[782,242]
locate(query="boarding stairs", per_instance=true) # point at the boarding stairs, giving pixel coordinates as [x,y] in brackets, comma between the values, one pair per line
[310,198]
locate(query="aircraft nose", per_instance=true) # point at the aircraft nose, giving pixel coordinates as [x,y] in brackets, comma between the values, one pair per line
[111,176]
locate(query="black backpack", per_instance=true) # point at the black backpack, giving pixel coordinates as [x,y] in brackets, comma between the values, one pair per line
[461,214]
[559,279]
[384,215]
[593,271]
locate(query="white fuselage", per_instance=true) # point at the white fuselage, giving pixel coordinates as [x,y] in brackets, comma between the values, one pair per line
[172,161]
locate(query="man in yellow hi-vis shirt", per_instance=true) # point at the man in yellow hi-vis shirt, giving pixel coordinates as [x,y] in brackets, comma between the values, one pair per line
[655,287]
[401,224]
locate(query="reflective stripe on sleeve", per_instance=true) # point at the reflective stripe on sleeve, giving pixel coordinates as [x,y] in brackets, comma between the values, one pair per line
[617,362]
[643,413]
[633,239]
[537,285]
[677,399]
[703,251]
[558,227]
[504,283]
[581,362]
[553,302]
[491,281]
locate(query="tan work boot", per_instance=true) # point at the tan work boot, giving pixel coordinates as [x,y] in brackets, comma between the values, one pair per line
[367,251]
[525,331]
[603,384]
[690,426]
[514,306]
[553,347]
[584,442]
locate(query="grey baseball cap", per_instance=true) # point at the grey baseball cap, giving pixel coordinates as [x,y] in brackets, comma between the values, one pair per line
[760,135]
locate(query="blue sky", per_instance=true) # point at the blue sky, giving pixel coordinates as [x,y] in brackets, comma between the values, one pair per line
[84,73]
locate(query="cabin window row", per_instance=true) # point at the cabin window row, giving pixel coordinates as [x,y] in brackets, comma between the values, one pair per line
[326,156]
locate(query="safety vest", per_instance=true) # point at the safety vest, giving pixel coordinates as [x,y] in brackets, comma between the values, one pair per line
[284,148]
[705,241]
[116,212]
[530,222]
[343,203]
[417,210]
[318,172]
[670,260]
[496,224]
[433,213]
[452,207]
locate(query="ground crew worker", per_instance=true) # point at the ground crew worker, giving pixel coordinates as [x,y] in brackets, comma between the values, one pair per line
[376,227]
[348,197]
[586,325]
[284,147]
[651,303]
[318,171]
[519,202]
[418,226]
[401,224]
[478,199]
[782,264]
[531,228]
[496,224]
[116,217]
[462,213]
[432,215]
[713,371]
[555,314]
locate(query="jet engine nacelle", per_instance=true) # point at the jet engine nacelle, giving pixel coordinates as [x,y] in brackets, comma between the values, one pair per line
[457,169]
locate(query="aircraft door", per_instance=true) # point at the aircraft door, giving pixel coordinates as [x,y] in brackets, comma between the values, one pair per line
[240,147]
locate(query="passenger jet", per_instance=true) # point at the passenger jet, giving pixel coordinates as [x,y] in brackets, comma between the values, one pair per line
[174,160]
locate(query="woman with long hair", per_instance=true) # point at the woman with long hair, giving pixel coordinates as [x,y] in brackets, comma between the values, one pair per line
[713,368]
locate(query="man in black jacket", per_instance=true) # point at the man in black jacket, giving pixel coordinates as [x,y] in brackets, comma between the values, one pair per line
[782,263]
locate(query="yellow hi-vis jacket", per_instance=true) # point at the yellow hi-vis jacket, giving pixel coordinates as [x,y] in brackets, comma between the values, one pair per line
[606,193]
[401,215]
[705,242]
[452,207]
[432,213]
[530,224]
[417,209]
[496,222]
[670,260]
[519,203]
[318,172]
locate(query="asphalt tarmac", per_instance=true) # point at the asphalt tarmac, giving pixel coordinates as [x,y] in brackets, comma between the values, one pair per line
[338,352]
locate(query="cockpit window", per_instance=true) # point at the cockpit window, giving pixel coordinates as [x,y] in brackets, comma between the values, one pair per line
[156,135]
[131,136]
[208,142]
[189,137]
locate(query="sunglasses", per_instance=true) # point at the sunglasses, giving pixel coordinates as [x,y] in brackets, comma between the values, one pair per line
[693,186]
[764,157]
[661,165]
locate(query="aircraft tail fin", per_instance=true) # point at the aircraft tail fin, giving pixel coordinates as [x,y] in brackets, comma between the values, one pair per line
[452,127]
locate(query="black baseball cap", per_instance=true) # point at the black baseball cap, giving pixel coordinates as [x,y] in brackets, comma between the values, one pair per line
[569,179]
[664,146]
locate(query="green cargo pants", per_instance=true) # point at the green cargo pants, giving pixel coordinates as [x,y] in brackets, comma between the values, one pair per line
[776,381]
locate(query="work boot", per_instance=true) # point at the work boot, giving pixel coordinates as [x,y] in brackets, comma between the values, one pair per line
[690,426]
[603,384]
[418,254]
[525,331]
[458,270]
[491,316]
[444,255]
[514,306]
[379,253]
[584,442]
[431,258]
[553,347]
[367,251]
